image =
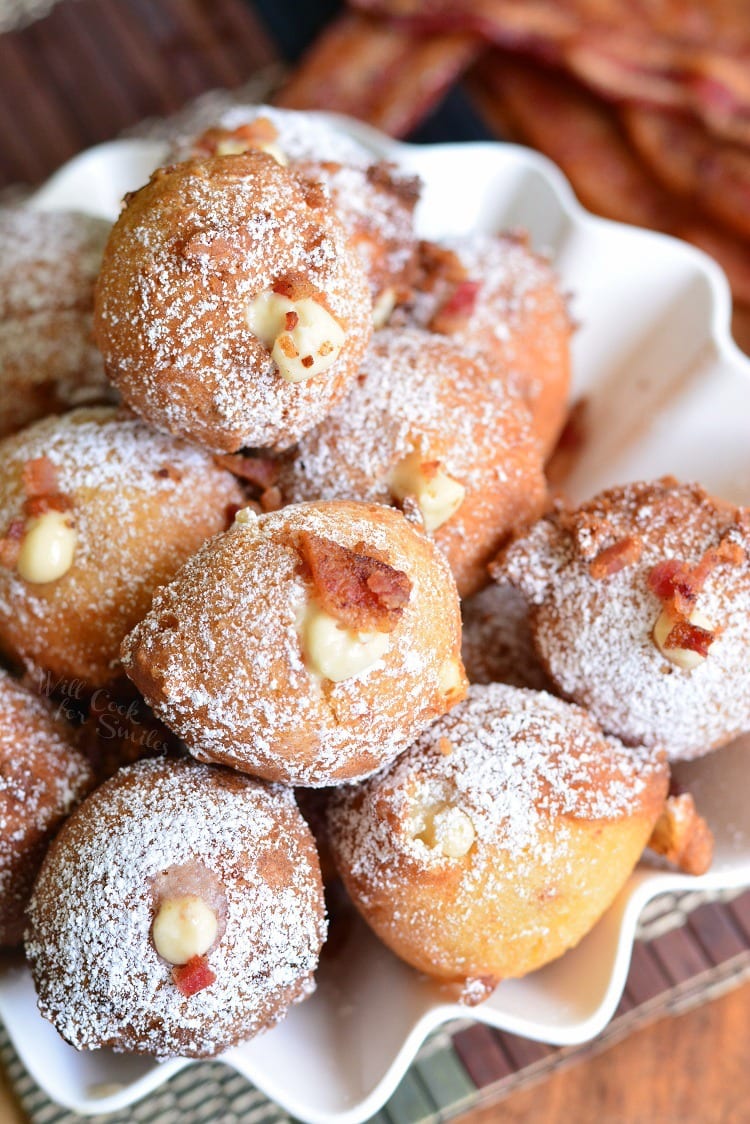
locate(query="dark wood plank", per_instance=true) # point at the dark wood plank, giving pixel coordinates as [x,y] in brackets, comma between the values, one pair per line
[720,939]
[524,1051]
[480,1049]
[680,955]
[739,909]
[94,67]
[646,978]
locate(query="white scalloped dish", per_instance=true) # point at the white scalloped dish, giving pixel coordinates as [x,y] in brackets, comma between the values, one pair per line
[668,392]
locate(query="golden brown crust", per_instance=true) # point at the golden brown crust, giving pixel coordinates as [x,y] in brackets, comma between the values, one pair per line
[140,504]
[156,830]
[220,655]
[499,838]
[42,777]
[188,255]
[419,393]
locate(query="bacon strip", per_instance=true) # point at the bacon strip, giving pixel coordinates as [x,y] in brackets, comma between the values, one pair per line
[677,54]
[616,557]
[549,111]
[263,472]
[362,592]
[384,74]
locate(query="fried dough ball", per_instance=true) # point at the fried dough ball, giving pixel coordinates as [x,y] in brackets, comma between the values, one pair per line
[376,206]
[494,295]
[230,308]
[178,912]
[425,426]
[640,611]
[96,511]
[496,642]
[308,646]
[48,362]
[374,202]
[42,778]
[497,841]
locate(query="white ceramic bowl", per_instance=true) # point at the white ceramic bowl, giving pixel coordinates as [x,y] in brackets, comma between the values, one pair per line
[668,392]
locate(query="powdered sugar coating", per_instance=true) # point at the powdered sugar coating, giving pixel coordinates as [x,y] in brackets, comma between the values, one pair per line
[42,778]
[559,814]
[595,636]
[141,503]
[376,206]
[301,136]
[189,253]
[97,972]
[418,391]
[48,265]
[518,318]
[219,656]
[496,643]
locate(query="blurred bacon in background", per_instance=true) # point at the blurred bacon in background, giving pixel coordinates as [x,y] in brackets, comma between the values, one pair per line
[645,106]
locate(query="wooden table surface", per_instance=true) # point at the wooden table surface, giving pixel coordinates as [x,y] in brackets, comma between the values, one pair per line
[687,1070]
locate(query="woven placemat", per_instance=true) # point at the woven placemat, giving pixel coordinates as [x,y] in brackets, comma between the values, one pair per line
[690,948]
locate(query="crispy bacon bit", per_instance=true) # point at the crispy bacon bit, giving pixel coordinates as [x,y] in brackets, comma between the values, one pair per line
[37,505]
[406,189]
[690,637]
[616,557]
[438,264]
[258,132]
[261,471]
[308,361]
[676,582]
[291,320]
[672,580]
[42,488]
[10,543]
[295,286]
[40,477]
[682,836]
[455,313]
[194,976]
[362,592]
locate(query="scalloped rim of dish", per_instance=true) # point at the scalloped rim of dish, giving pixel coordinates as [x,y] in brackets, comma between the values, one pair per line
[75,186]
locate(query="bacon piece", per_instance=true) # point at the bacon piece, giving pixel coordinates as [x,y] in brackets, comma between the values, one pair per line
[407,189]
[554,114]
[295,286]
[682,836]
[455,313]
[616,557]
[362,592]
[391,76]
[194,976]
[40,477]
[263,472]
[673,583]
[679,54]
[261,131]
[690,637]
[10,543]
